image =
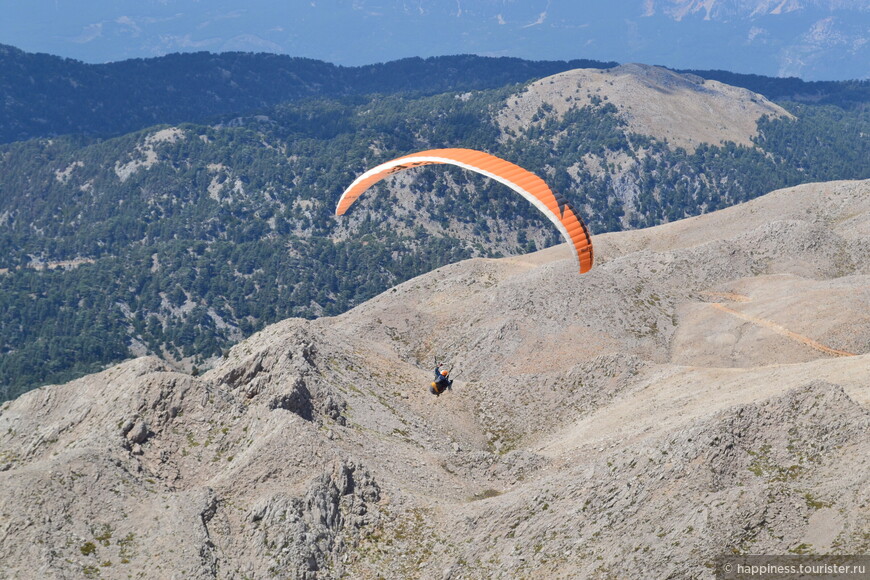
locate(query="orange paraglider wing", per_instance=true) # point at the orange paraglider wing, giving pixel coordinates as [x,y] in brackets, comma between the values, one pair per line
[527,184]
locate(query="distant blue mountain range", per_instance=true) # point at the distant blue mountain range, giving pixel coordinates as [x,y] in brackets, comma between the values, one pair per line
[810,39]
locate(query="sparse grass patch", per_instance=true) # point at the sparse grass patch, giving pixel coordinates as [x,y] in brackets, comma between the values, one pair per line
[104,535]
[485,494]
[763,466]
[814,503]
[503,440]
[801,549]
[88,548]
[126,545]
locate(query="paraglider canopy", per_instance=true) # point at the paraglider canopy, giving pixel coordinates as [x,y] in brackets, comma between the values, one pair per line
[530,186]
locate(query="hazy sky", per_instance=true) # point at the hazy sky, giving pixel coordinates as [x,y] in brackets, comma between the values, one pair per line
[349,32]
[828,41]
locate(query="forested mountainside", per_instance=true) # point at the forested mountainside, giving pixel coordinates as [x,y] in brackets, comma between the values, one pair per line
[44,96]
[181,239]
[845,94]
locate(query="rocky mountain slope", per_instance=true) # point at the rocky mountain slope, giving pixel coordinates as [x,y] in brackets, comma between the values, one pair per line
[702,391]
[180,240]
[686,110]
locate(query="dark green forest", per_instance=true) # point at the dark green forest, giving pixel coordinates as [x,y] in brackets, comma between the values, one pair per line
[179,240]
[46,96]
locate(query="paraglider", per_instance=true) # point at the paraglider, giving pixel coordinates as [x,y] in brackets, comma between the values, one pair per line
[442,382]
[527,184]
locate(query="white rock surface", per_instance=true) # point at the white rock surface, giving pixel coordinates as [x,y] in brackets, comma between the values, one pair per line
[673,405]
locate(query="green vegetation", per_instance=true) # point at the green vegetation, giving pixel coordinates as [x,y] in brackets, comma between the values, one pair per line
[766,467]
[46,95]
[815,504]
[801,549]
[181,242]
[88,548]
[486,494]
[852,94]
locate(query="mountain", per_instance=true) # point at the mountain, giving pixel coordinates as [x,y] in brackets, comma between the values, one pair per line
[46,96]
[691,112]
[701,392]
[810,39]
[179,240]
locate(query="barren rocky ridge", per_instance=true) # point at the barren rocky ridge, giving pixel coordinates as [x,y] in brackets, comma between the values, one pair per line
[686,110]
[702,391]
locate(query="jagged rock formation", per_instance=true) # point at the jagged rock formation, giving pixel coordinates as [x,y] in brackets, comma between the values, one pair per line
[703,390]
